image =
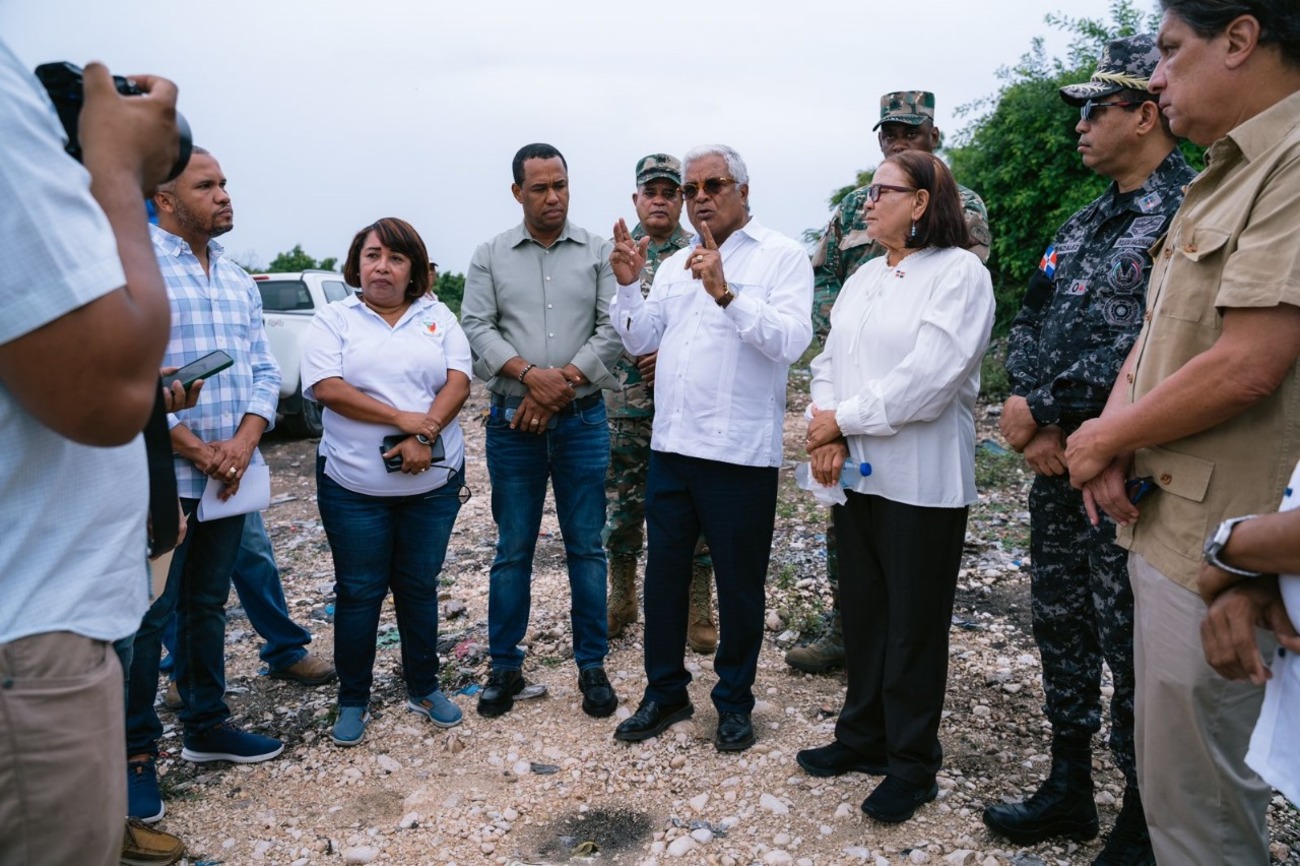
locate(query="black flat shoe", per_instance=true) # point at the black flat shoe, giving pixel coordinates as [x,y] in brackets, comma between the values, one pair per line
[895,800]
[652,719]
[837,759]
[499,694]
[598,698]
[735,732]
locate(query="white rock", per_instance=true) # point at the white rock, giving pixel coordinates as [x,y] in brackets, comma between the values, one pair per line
[522,768]
[843,810]
[703,835]
[960,857]
[409,820]
[773,805]
[777,858]
[698,803]
[918,856]
[781,840]
[360,854]
[681,846]
[387,764]
[859,852]
[825,829]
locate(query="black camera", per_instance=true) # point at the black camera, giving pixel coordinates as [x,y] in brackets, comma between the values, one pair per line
[64,82]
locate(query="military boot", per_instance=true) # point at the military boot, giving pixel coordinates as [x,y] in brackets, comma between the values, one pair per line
[620,606]
[1062,806]
[701,632]
[1129,842]
[823,654]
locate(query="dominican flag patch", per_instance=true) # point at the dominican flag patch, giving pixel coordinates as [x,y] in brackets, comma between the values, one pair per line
[1048,264]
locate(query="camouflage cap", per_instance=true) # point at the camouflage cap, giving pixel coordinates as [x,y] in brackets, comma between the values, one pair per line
[913,107]
[659,165]
[1125,64]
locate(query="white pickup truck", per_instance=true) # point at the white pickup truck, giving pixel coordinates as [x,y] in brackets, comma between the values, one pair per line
[288,303]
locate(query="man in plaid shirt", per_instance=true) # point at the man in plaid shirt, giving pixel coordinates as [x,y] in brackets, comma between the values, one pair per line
[214,305]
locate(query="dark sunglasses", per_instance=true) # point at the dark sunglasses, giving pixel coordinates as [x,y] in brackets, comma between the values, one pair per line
[712,186]
[874,191]
[1089,108]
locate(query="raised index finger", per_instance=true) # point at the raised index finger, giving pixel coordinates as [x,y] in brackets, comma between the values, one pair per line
[707,237]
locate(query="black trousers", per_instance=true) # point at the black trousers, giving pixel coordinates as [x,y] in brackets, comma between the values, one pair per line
[898,576]
[735,508]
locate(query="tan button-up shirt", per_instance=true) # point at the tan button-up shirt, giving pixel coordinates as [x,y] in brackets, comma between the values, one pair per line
[1233,244]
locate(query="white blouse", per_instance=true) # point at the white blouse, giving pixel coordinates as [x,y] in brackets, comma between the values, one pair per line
[901,369]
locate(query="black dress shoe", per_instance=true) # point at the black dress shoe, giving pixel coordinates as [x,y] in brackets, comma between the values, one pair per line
[499,694]
[837,759]
[735,732]
[651,720]
[598,698]
[895,800]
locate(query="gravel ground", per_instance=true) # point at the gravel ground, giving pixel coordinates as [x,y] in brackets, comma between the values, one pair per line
[547,784]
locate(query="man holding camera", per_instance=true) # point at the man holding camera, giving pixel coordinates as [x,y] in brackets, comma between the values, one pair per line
[80,346]
[215,305]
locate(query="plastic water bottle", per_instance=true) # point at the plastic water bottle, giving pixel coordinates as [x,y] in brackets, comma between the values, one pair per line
[850,475]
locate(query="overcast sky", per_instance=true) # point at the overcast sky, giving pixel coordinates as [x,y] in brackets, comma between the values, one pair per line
[327,115]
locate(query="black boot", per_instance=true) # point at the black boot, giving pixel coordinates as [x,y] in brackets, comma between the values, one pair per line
[1129,843]
[1062,806]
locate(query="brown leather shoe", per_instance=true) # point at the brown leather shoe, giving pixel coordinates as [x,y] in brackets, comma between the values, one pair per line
[701,631]
[145,846]
[172,697]
[620,608]
[309,670]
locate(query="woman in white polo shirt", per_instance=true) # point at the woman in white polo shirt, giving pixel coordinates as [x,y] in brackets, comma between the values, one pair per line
[391,367]
[895,387]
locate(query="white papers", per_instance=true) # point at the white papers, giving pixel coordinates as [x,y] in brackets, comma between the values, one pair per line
[254,493]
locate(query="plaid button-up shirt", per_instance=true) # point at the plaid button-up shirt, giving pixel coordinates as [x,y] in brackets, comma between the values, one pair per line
[217,310]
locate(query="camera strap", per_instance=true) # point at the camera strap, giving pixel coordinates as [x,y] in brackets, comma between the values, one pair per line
[163,512]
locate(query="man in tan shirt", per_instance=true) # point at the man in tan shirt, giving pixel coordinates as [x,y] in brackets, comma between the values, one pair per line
[1207,407]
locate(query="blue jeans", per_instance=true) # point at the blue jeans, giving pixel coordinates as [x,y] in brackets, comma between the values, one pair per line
[257,583]
[197,587]
[575,457]
[381,543]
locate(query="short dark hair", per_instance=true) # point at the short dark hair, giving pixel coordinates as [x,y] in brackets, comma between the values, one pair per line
[1129,94]
[943,224]
[1279,21]
[400,237]
[534,151]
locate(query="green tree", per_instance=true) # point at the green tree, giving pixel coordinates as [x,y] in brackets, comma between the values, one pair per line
[451,290]
[1019,150]
[297,260]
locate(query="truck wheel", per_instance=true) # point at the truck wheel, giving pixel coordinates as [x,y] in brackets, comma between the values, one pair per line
[306,423]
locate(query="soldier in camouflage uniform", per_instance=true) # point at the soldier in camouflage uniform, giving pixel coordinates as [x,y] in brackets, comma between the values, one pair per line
[658,203]
[1080,316]
[906,123]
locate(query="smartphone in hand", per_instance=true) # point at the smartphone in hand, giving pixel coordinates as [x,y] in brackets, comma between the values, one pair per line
[208,365]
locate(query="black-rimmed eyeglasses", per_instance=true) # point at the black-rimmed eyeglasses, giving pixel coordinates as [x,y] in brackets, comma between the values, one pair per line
[874,191]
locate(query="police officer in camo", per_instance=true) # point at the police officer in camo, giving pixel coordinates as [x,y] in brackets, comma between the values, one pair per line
[658,203]
[906,123]
[1080,316]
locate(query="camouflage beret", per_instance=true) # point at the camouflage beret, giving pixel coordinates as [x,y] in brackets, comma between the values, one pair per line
[913,107]
[659,165]
[1125,64]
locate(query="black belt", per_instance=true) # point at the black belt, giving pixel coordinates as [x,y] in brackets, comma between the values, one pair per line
[578,404]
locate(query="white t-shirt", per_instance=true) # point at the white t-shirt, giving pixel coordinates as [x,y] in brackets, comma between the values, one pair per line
[1275,747]
[901,369]
[72,517]
[404,366]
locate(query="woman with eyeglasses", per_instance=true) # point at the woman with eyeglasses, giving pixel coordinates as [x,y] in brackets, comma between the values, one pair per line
[391,367]
[895,386]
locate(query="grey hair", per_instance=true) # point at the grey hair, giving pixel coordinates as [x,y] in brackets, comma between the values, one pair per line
[735,164]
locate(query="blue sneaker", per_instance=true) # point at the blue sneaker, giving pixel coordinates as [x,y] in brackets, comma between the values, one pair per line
[350,727]
[439,710]
[143,799]
[226,742]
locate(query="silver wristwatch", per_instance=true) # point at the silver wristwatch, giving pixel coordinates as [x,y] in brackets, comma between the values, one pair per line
[422,439]
[1216,542]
